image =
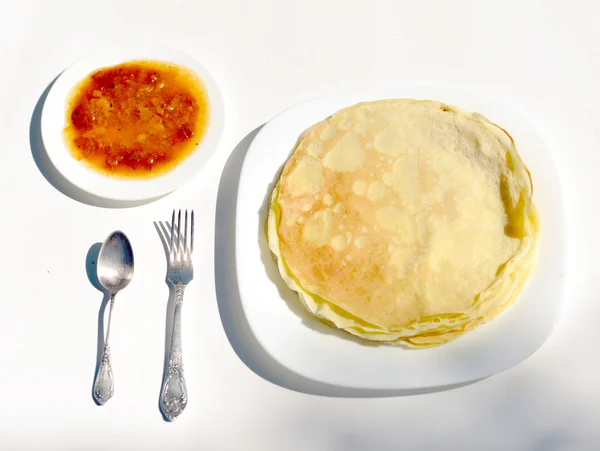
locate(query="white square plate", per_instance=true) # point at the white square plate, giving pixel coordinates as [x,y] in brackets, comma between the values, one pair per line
[305,346]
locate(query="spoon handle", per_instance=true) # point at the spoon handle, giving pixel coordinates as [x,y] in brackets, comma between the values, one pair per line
[104,385]
[173,396]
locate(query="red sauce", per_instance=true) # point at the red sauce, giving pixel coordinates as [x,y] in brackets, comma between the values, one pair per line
[137,119]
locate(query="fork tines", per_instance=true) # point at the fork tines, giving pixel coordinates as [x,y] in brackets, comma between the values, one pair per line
[182,242]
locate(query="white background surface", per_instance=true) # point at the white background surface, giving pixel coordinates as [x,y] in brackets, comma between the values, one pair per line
[267,55]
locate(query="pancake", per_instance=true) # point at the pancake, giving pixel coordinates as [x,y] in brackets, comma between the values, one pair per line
[404,221]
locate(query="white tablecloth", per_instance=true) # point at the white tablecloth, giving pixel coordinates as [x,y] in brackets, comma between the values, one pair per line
[267,55]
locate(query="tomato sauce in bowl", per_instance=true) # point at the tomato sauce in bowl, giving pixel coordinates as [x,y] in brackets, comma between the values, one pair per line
[137,119]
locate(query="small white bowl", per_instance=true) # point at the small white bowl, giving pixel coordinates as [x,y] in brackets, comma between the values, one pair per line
[55,110]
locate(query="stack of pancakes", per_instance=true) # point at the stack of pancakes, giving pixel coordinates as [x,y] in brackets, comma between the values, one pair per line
[404,221]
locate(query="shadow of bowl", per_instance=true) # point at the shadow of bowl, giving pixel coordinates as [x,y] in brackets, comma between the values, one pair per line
[55,178]
[91,262]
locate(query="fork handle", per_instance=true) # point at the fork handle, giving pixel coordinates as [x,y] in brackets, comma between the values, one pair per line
[173,396]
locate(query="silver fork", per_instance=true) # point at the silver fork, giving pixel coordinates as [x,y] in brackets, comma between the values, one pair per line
[180,272]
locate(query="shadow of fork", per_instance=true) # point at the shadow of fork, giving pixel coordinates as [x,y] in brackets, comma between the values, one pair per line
[164,232]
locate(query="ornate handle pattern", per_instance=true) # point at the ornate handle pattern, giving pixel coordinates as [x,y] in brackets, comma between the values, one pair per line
[104,384]
[173,396]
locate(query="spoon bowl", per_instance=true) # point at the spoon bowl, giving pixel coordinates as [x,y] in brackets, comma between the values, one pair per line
[115,263]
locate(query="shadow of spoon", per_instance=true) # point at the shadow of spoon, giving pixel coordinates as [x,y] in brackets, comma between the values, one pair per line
[91,262]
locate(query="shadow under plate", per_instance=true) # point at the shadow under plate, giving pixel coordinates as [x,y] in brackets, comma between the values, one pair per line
[55,178]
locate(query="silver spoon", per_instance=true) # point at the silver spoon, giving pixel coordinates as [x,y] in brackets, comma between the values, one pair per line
[115,271]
